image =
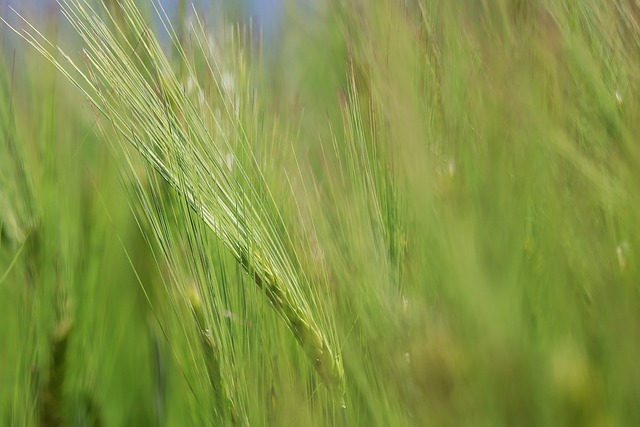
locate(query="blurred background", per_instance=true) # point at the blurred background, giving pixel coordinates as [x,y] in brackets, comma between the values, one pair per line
[457,181]
[268,13]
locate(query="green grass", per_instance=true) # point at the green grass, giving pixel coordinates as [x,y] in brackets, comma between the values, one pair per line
[413,213]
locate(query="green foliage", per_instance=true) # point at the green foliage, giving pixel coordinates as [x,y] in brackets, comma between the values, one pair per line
[439,230]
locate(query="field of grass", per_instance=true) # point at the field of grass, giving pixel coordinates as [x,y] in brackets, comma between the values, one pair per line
[401,212]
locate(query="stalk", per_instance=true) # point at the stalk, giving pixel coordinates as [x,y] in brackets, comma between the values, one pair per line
[51,394]
[223,403]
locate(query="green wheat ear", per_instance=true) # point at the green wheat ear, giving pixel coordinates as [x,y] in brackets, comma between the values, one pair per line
[223,402]
[309,336]
[132,85]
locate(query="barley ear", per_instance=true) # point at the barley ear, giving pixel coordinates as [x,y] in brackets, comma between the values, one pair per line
[300,322]
[211,359]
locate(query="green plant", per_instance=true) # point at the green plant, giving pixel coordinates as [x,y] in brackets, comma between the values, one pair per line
[433,202]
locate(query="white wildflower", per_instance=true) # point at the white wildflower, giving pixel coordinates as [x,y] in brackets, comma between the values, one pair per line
[227,82]
[452,168]
[622,252]
[201,99]
[228,160]
[191,84]
[211,46]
